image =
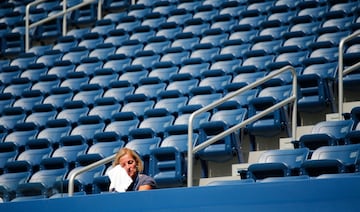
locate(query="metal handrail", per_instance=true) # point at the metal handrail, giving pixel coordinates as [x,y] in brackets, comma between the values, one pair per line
[89,167]
[49,18]
[192,150]
[343,72]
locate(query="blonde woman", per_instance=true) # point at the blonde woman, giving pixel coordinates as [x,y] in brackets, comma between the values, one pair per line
[133,165]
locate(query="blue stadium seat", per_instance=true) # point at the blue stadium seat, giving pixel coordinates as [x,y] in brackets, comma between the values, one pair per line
[90,40]
[116,37]
[72,111]
[84,15]
[122,123]
[103,26]
[164,7]
[128,23]
[48,30]
[34,71]
[8,73]
[169,29]
[220,151]
[57,96]
[65,43]
[54,130]
[69,148]
[189,5]
[17,86]
[157,120]
[179,16]
[205,51]
[89,65]
[252,18]
[142,33]
[186,40]
[332,160]
[23,60]
[62,68]
[35,150]
[278,163]
[215,79]
[78,32]
[41,113]
[103,77]
[102,51]
[6,100]
[8,152]
[233,8]
[117,62]
[184,114]
[119,90]
[325,133]
[12,44]
[133,74]
[315,84]
[84,180]
[29,99]
[76,54]
[197,26]
[261,7]
[275,122]
[114,5]
[215,36]
[226,62]
[150,87]
[172,101]
[236,47]
[105,107]
[88,126]
[138,10]
[10,116]
[146,58]
[257,62]
[244,33]
[164,70]
[15,173]
[22,133]
[46,83]
[42,182]
[157,44]
[266,47]
[224,21]
[88,93]
[205,12]
[74,80]
[130,48]
[248,78]
[137,103]
[50,57]
[106,144]
[153,20]
[203,96]
[193,67]
[244,98]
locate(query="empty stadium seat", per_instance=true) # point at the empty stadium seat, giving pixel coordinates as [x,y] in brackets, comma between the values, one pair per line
[106,144]
[22,133]
[10,116]
[88,126]
[54,130]
[103,77]
[73,110]
[157,119]
[41,113]
[278,163]
[89,65]
[62,68]
[88,93]
[58,96]
[122,123]
[325,133]
[119,90]
[46,83]
[332,160]
[105,107]
[117,62]
[137,103]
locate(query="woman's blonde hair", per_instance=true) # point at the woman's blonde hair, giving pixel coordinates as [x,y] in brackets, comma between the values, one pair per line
[125,151]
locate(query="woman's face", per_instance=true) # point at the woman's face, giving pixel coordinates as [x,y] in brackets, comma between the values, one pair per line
[129,164]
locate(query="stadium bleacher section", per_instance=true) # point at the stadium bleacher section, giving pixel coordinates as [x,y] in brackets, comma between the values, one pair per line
[133,78]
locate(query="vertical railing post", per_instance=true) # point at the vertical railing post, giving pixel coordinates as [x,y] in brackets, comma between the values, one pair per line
[64,30]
